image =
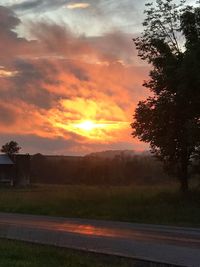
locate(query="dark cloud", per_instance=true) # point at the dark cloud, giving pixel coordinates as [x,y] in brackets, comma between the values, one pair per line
[8,19]
[35,144]
[56,57]
[7,115]
[28,84]
[60,40]
[78,72]
[26,5]
[38,4]
[114,46]
[11,45]
[104,9]
[58,146]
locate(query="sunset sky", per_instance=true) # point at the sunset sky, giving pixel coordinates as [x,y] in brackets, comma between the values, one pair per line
[69,73]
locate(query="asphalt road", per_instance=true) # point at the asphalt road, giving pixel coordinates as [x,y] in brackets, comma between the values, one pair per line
[172,245]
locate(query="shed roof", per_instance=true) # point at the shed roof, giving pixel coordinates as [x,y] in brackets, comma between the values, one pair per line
[5,160]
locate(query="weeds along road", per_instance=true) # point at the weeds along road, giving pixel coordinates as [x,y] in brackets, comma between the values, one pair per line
[172,245]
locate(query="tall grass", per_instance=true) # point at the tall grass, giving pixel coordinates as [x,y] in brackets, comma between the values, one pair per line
[160,205]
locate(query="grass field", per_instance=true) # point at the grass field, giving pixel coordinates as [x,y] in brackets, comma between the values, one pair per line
[20,254]
[161,205]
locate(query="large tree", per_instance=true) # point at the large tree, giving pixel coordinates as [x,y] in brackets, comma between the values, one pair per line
[170,118]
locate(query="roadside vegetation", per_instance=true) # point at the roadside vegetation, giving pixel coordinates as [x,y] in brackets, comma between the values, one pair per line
[143,204]
[20,254]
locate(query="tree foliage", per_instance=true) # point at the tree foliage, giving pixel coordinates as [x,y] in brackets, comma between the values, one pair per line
[11,148]
[170,118]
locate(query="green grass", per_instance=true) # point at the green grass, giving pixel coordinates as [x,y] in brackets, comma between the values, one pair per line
[20,254]
[161,205]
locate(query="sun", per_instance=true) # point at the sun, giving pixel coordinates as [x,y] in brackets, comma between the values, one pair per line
[86,125]
[93,129]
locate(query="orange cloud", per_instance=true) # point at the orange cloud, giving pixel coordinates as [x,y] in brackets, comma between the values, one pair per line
[7,73]
[62,86]
[89,118]
[78,5]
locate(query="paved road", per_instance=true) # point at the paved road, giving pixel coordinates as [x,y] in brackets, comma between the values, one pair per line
[173,245]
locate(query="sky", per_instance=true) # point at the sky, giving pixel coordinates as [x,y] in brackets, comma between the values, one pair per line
[70,76]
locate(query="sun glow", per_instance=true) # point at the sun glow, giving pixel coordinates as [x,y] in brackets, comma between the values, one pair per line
[89,125]
[93,130]
[96,121]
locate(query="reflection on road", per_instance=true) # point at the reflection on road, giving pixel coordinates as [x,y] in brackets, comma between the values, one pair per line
[102,231]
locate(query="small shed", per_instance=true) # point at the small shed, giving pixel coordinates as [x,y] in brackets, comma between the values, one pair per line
[7,172]
[15,169]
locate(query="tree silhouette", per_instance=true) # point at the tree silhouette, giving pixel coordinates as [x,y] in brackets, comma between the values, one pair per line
[11,148]
[170,119]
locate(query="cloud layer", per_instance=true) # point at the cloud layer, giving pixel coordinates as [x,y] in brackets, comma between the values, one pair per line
[58,78]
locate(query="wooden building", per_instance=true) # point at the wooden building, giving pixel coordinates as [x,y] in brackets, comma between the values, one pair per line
[15,169]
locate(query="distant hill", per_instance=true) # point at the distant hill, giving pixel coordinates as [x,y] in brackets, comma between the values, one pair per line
[60,157]
[110,154]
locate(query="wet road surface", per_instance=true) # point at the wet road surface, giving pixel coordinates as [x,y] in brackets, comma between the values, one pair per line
[172,245]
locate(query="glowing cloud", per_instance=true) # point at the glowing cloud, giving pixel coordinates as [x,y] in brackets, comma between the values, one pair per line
[88,125]
[72,91]
[94,130]
[88,119]
[7,73]
[78,5]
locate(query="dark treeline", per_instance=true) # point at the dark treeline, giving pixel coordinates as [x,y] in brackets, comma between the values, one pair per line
[120,170]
